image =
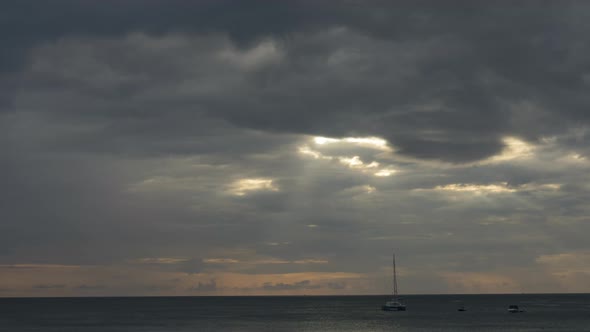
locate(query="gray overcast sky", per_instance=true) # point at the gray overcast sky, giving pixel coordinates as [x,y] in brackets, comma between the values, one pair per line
[289,147]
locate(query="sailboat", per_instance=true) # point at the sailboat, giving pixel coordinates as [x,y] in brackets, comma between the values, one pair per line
[394,304]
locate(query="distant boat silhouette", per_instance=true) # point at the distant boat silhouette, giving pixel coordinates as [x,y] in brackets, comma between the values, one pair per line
[513,308]
[394,304]
[460,305]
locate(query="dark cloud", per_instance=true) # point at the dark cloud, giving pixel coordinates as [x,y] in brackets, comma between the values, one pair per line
[91,287]
[441,82]
[49,286]
[127,129]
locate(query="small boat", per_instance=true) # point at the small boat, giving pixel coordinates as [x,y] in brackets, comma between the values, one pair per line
[513,308]
[395,303]
[461,308]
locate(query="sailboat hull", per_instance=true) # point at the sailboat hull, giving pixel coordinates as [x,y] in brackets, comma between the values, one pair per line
[394,308]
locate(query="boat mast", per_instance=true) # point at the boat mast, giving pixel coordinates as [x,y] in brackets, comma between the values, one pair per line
[394,278]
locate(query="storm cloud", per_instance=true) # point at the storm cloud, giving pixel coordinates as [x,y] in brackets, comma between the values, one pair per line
[243,147]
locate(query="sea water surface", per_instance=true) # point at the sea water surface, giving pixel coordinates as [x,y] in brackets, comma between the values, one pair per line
[544,312]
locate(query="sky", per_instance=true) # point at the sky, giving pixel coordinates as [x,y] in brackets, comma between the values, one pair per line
[291,147]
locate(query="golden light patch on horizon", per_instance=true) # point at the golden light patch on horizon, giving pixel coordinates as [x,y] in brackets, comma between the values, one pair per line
[107,280]
[288,283]
[244,186]
[162,260]
[400,271]
[278,243]
[571,270]
[268,261]
[40,266]
[572,258]
[138,279]
[480,282]
[281,261]
[264,261]
[311,261]
[220,260]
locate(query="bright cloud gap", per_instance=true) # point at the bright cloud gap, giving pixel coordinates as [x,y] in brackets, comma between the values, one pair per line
[493,188]
[353,162]
[370,142]
[244,186]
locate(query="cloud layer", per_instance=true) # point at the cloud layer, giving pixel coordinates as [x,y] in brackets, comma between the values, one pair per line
[230,148]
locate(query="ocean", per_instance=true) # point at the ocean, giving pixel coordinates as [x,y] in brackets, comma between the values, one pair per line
[544,312]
